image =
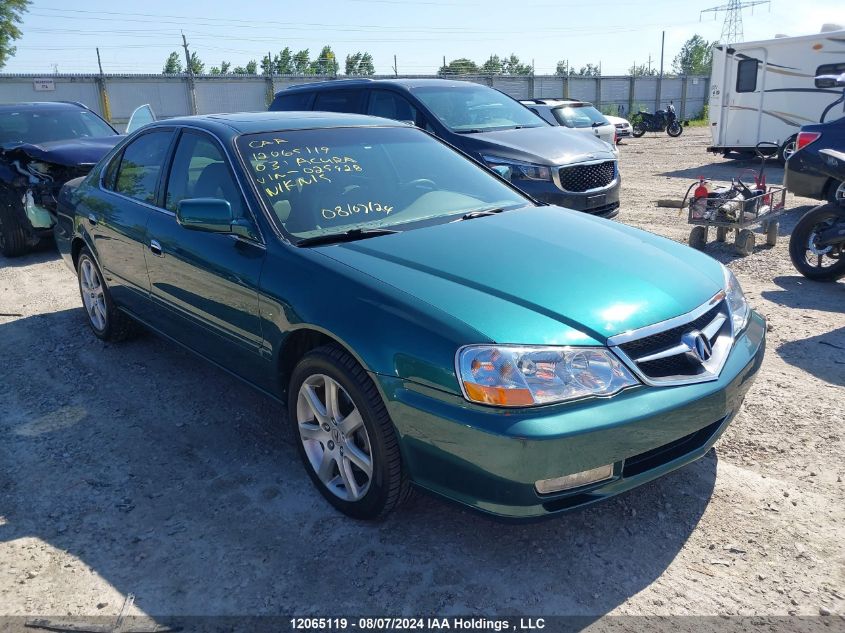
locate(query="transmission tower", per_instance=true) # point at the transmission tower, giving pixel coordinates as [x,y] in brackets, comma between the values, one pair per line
[732,26]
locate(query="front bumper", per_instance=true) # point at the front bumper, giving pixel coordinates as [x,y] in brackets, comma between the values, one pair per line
[603,202]
[490,458]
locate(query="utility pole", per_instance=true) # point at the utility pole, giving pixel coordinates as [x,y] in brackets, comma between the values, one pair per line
[732,26]
[395,67]
[192,92]
[660,77]
[101,86]
[662,44]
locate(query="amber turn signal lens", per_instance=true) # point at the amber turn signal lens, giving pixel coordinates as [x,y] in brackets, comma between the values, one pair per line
[498,395]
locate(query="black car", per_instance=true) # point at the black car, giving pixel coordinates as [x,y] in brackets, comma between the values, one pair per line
[546,162]
[42,146]
[803,175]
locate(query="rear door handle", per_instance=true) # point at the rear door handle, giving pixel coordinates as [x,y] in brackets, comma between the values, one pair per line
[92,219]
[155,248]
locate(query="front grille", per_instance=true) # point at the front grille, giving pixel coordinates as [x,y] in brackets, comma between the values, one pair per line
[581,178]
[656,457]
[664,357]
[620,126]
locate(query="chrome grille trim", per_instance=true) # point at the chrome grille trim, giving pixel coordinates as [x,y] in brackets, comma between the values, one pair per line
[679,355]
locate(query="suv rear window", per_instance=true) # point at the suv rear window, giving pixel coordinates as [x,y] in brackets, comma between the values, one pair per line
[579,116]
[339,101]
[293,101]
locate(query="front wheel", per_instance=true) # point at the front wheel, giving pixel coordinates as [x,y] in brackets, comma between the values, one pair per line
[836,193]
[815,262]
[345,436]
[674,129]
[638,129]
[13,238]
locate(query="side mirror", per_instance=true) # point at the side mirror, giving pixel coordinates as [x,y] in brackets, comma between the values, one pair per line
[830,81]
[212,215]
[503,170]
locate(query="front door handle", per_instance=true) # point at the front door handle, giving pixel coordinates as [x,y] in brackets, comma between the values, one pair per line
[92,219]
[155,248]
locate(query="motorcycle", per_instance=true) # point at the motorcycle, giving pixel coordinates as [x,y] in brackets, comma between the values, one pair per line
[817,243]
[660,121]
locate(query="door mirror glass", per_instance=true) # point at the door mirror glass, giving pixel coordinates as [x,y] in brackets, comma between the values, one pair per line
[503,170]
[140,117]
[205,214]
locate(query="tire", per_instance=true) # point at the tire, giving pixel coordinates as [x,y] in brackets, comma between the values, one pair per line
[321,437]
[675,129]
[638,130]
[800,242]
[745,242]
[787,149]
[721,233]
[836,193]
[772,233]
[698,237]
[106,321]
[13,238]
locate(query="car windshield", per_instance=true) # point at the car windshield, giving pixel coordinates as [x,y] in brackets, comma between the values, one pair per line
[44,126]
[474,108]
[329,181]
[579,116]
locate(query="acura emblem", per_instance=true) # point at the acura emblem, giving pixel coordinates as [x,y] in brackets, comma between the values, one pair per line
[698,344]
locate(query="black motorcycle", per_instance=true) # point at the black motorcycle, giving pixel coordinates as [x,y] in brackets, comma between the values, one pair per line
[817,243]
[660,121]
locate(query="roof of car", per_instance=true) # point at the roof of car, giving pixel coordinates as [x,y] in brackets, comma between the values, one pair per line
[40,105]
[258,122]
[555,102]
[399,83]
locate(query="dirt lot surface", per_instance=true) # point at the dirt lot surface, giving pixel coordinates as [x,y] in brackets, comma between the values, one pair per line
[138,469]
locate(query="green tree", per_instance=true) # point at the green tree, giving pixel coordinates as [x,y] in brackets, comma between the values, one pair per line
[493,66]
[173,65]
[284,62]
[512,66]
[11,14]
[695,58]
[642,70]
[563,69]
[222,69]
[251,68]
[267,65]
[325,64]
[301,62]
[196,65]
[460,66]
[590,70]
[366,67]
[352,63]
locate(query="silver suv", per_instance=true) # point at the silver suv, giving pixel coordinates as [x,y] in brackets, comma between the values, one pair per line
[579,116]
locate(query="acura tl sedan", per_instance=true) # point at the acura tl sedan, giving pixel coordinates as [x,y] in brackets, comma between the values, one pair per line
[427,324]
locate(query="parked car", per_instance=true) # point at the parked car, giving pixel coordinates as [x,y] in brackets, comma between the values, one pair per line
[580,116]
[42,146]
[545,162]
[426,322]
[623,127]
[807,171]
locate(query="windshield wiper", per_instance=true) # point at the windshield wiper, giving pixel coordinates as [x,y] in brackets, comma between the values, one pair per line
[472,131]
[480,213]
[347,236]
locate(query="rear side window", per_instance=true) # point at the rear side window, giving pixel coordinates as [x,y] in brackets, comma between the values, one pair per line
[746,75]
[293,101]
[339,101]
[140,168]
[110,173]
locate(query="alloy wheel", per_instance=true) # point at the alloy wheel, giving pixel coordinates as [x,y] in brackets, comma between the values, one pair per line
[839,194]
[93,296]
[334,437]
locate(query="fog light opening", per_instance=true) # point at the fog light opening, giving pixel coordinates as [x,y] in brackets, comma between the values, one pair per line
[575,480]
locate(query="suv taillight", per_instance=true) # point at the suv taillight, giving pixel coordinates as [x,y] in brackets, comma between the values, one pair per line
[805,138]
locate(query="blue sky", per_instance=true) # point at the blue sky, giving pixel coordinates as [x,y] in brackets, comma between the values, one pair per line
[137,36]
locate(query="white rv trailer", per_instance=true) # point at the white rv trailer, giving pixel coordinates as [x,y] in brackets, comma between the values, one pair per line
[765,91]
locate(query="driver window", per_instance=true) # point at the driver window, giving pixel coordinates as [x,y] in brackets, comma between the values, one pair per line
[200,170]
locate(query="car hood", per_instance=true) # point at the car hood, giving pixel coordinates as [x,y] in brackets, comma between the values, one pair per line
[546,145]
[76,151]
[540,275]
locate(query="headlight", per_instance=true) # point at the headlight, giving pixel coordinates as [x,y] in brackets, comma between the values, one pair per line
[517,170]
[524,375]
[737,304]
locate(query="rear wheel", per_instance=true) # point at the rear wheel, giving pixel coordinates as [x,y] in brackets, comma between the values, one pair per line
[836,193]
[106,321]
[787,149]
[13,239]
[345,436]
[821,263]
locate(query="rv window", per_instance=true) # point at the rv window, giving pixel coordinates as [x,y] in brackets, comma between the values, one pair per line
[746,75]
[829,70]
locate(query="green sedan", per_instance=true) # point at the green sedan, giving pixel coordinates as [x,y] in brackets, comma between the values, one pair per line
[428,325]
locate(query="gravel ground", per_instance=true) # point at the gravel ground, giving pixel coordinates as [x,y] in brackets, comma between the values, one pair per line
[138,469]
